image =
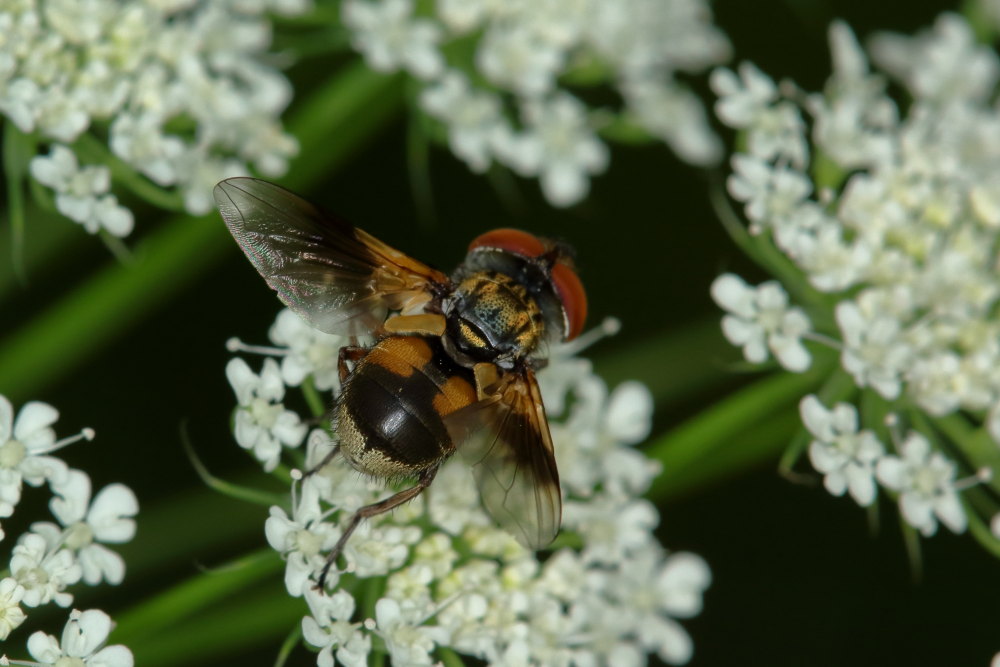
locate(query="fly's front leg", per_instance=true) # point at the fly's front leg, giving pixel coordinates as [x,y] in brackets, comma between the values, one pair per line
[368,511]
[487,376]
[352,353]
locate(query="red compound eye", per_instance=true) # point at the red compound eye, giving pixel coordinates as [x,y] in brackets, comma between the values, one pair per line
[573,297]
[511,240]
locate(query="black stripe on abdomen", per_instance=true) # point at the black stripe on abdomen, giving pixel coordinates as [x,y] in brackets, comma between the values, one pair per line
[396,416]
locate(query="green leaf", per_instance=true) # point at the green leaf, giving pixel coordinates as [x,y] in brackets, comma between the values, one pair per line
[697,355]
[156,616]
[215,615]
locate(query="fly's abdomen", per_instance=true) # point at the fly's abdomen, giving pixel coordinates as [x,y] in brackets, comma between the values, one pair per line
[389,416]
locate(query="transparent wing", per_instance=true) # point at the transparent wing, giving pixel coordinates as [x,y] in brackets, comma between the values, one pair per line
[505,438]
[337,277]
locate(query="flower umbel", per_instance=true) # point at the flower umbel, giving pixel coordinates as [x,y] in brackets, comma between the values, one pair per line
[445,576]
[885,226]
[139,74]
[49,559]
[523,111]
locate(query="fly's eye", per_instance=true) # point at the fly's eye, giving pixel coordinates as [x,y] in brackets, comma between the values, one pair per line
[512,240]
[573,297]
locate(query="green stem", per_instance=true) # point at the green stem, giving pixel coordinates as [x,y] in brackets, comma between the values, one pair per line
[93,151]
[687,452]
[317,406]
[249,622]
[250,494]
[449,658]
[761,249]
[418,163]
[291,642]
[338,118]
[15,162]
[983,534]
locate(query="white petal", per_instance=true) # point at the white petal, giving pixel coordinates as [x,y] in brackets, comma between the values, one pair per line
[862,486]
[34,417]
[630,412]
[564,184]
[108,512]
[826,458]
[740,331]
[949,510]
[271,387]
[835,483]
[890,472]
[313,634]
[82,639]
[44,648]
[918,512]
[734,295]
[100,563]
[755,351]
[246,430]
[916,448]
[816,418]
[70,505]
[242,379]
[6,420]
[112,656]
[791,353]
[289,429]
[277,528]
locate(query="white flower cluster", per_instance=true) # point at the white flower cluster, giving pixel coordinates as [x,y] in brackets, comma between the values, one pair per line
[51,557]
[179,85]
[893,219]
[452,579]
[516,52]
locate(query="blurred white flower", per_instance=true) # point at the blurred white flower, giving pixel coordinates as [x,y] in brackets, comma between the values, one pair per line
[24,445]
[925,481]
[137,68]
[472,116]
[845,456]
[328,628]
[44,569]
[82,643]
[263,425]
[310,352]
[390,37]
[302,539]
[760,320]
[521,55]
[558,145]
[81,193]
[11,614]
[86,524]
[894,222]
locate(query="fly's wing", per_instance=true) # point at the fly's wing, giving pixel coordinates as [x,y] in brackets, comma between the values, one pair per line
[505,438]
[335,276]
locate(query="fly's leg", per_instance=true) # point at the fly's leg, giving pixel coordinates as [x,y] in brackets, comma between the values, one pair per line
[368,511]
[352,353]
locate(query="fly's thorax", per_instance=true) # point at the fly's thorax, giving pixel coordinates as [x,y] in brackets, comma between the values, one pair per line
[493,317]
